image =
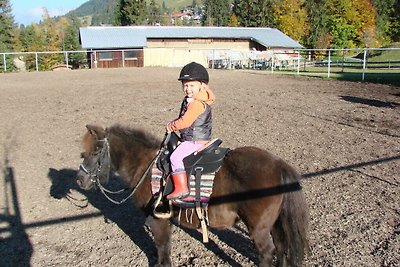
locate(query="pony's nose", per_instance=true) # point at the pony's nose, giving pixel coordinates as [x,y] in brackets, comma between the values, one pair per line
[80,181]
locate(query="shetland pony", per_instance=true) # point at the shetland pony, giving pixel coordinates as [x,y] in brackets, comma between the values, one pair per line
[252,185]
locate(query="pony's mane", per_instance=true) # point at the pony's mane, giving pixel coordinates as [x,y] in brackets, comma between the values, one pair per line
[134,136]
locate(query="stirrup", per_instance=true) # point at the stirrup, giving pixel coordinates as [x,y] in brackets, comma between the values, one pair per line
[160,214]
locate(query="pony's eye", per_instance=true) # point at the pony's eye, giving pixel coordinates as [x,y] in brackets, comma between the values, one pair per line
[82,155]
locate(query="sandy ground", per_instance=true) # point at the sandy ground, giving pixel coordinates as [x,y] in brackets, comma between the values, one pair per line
[344,138]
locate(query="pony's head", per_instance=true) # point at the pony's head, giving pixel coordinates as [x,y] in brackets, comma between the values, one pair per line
[95,166]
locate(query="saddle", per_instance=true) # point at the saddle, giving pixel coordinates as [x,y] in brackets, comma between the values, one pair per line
[200,168]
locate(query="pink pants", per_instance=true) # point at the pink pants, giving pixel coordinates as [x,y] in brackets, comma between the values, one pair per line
[184,149]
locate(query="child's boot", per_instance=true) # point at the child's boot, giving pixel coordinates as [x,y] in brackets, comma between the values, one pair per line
[180,182]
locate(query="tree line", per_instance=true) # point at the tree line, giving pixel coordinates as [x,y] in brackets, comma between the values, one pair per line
[321,24]
[318,24]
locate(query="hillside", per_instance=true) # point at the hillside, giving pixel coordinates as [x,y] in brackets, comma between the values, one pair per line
[97,12]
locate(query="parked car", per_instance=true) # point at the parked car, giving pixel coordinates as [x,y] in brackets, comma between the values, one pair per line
[323,63]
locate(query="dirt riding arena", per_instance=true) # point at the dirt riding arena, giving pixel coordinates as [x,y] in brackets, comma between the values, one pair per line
[344,137]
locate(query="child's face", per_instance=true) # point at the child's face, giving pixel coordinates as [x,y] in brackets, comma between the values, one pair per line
[191,88]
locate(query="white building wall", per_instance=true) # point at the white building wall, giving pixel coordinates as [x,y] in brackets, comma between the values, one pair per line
[173,57]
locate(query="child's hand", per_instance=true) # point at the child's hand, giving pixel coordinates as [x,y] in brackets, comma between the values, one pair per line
[169,127]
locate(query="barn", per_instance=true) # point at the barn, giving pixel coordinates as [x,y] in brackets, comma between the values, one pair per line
[141,46]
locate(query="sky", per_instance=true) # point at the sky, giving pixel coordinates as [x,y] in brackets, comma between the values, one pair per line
[31,11]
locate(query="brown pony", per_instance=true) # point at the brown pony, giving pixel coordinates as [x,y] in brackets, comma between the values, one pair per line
[252,185]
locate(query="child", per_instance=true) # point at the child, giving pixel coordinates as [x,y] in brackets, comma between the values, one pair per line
[194,123]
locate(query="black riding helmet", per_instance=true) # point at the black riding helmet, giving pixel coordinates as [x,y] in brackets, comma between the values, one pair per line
[194,72]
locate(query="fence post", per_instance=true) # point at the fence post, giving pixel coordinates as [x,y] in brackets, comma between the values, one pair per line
[364,64]
[342,60]
[36,61]
[213,60]
[4,62]
[329,63]
[123,58]
[95,59]
[273,61]
[298,62]
[66,58]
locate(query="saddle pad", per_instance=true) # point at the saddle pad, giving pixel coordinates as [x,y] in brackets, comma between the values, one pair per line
[156,176]
[206,184]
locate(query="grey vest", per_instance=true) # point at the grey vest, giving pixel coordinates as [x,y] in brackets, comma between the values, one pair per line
[200,130]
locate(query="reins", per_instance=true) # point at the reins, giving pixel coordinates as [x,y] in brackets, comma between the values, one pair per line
[104,190]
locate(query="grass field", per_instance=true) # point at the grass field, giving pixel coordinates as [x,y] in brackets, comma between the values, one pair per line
[388,77]
[383,66]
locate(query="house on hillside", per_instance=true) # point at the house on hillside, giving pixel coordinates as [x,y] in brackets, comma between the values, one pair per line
[141,46]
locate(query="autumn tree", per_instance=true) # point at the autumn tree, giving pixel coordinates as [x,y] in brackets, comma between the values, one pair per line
[51,34]
[51,37]
[351,23]
[130,12]
[216,13]
[291,18]
[233,21]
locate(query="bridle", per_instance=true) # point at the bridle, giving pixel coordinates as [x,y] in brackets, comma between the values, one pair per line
[104,161]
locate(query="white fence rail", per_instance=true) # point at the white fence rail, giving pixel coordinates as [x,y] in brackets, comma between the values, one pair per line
[358,62]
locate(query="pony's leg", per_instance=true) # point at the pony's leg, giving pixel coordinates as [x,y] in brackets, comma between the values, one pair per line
[161,230]
[264,245]
[260,227]
[280,243]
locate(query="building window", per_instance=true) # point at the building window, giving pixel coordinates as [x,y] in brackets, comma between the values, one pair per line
[130,55]
[105,56]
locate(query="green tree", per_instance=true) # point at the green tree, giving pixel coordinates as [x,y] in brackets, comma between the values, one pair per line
[216,13]
[384,11]
[154,14]
[164,9]
[255,13]
[395,22]
[130,12]
[31,41]
[7,29]
[71,42]
[317,16]
[27,37]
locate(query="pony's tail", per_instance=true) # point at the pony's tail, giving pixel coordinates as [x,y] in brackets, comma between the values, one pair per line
[291,228]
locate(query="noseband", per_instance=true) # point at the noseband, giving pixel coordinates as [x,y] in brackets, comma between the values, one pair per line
[103,155]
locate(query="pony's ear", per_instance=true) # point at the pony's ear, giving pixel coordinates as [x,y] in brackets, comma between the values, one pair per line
[96,131]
